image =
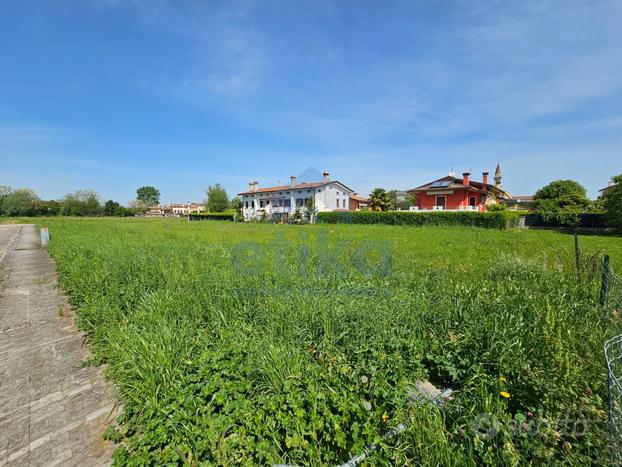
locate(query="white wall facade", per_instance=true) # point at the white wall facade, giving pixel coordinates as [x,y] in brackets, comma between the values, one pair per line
[328,197]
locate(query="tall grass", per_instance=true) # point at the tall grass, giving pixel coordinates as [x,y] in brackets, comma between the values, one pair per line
[247,362]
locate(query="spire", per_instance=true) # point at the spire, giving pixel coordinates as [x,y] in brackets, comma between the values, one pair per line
[498,175]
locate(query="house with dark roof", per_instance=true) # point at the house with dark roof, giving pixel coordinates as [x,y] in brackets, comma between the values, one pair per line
[280,202]
[459,194]
[610,185]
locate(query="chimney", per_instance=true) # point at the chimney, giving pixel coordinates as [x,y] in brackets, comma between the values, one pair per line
[252,186]
[485,181]
[466,178]
[326,177]
[292,181]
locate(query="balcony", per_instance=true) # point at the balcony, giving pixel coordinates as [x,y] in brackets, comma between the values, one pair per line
[279,209]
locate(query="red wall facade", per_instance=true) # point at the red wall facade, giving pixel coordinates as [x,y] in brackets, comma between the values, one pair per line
[454,201]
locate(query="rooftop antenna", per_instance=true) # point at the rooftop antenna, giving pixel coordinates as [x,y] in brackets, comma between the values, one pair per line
[451,172]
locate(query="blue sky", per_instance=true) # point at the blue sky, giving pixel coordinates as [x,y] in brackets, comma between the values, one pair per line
[115,94]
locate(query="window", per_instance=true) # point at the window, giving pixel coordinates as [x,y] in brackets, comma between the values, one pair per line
[299,202]
[344,203]
[472,201]
[247,205]
[440,201]
[287,203]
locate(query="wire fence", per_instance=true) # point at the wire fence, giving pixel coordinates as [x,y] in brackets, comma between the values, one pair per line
[611,297]
[613,355]
[611,289]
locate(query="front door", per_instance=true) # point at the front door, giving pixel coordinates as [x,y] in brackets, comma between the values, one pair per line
[440,202]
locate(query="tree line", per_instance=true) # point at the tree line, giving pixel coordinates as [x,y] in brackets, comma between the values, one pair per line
[84,203]
[25,202]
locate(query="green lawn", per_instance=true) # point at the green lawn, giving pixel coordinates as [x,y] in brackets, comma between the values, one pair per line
[249,344]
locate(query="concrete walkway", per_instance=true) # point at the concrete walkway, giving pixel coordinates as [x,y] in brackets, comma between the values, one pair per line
[52,410]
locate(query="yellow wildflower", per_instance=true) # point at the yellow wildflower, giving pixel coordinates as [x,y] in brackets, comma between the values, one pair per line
[505,394]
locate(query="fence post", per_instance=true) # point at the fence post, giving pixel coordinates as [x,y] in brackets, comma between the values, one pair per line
[45,236]
[604,288]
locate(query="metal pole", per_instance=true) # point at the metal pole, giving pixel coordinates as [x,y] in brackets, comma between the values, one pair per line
[604,289]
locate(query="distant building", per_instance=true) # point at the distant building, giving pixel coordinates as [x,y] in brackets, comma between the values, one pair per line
[280,202]
[158,211]
[358,202]
[459,194]
[400,196]
[183,209]
[609,186]
[175,209]
[520,203]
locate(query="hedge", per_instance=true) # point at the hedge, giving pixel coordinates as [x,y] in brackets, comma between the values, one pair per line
[212,216]
[585,220]
[493,220]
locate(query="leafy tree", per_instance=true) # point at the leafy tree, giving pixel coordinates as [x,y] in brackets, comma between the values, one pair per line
[612,202]
[47,208]
[113,208]
[411,200]
[236,204]
[393,199]
[561,202]
[4,192]
[496,207]
[148,195]
[139,206]
[81,203]
[380,200]
[20,202]
[296,217]
[311,210]
[217,199]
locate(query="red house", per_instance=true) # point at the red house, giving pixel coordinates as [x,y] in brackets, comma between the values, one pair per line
[459,194]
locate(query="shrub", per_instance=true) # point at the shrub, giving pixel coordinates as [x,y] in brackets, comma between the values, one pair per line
[612,201]
[497,207]
[560,202]
[213,216]
[494,220]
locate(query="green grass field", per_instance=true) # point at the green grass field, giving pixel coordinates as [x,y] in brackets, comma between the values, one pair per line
[257,344]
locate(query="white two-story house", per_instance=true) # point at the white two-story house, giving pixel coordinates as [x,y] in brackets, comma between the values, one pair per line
[280,202]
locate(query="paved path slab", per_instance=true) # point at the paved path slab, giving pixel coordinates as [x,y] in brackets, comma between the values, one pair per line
[52,409]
